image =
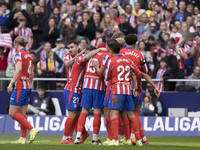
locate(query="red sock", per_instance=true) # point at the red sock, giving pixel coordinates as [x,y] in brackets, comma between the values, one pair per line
[140,124]
[75,125]
[22,120]
[114,128]
[126,128]
[96,123]
[23,129]
[68,127]
[108,127]
[135,126]
[121,132]
[81,122]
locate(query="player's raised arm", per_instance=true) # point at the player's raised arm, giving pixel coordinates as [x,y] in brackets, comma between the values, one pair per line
[149,80]
[91,54]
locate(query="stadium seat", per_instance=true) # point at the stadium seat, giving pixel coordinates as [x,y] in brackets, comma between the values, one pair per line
[57,107]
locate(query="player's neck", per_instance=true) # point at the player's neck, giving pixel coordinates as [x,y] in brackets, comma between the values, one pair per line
[131,46]
[115,54]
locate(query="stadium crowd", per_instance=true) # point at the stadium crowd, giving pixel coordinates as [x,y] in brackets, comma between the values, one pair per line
[168,34]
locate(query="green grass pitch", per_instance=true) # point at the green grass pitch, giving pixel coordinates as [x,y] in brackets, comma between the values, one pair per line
[52,142]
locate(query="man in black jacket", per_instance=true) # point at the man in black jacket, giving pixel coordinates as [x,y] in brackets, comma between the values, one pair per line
[124,26]
[46,66]
[182,14]
[87,27]
[12,20]
[39,20]
[50,33]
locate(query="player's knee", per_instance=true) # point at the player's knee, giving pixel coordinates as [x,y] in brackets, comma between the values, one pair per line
[106,111]
[84,110]
[114,113]
[137,108]
[122,114]
[11,113]
[97,111]
[73,114]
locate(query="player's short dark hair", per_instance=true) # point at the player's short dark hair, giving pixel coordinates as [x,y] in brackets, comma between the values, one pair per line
[113,46]
[151,38]
[171,40]
[70,42]
[42,87]
[90,48]
[72,37]
[163,60]
[131,39]
[118,34]
[99,30]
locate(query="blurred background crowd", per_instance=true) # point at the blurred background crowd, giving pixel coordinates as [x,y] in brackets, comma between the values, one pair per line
[168,35]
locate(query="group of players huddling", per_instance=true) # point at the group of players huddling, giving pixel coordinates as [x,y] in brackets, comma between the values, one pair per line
[120,67]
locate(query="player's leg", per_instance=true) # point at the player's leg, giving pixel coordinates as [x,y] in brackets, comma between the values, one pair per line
[86,105]
[120,132]
[142,135]
[115,104]
[19,98]
[129,107]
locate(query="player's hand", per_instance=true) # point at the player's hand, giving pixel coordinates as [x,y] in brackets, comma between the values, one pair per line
[135,93]
[157,92]
[39,72]
[95,64]
[9,89]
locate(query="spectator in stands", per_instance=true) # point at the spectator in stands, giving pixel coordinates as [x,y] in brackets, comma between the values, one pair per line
[168,18]
[195,75]
[159,11]
[63,11]
[25,32]
[56,16]
[39,20]
[151,106]
[176,35]
[131,17]
[153,32]
[87,27]
[44,9]
[171,4]
[3,65]
[71,13]
[198,62]
[196,13]
[25,6]
[79,9]
[196,49]
[124,26]
[4,14]
[67,28]
[190,8]
[97,19]
[83,44]
[18,12]
[108,23]
[43,102]
[185,33]
[97,8]
[95,42]
[189,21]
[60,50]
[46,65]
[150,43]
[78,20]
[50,33]
[181,14]
[142,28]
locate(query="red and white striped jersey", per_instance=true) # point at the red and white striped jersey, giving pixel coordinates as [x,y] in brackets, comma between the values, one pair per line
[188,49]
[181,61]
[68,57]
[23,81]
[26,33]
[76,80]
[159,75]
[118,71]
[92,80]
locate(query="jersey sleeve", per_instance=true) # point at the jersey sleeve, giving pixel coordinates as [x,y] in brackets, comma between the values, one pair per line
[18,57]
[79,60]
[105,60]
[143,64]
[66,57]
[108,70]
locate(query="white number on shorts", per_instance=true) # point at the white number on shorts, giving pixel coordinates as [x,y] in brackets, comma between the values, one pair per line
[75,100]
[29,68]
[121,69]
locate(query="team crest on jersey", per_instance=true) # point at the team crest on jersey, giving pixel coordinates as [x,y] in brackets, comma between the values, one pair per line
[75,105]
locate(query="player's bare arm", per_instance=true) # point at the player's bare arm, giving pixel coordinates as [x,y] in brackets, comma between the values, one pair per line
[100,69]
[134,80]
[149,80]
[69,63]
[91,54]
[16,75]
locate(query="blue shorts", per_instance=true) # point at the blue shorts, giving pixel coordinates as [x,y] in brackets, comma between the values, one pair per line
[106,98]
[20,97]
[137,100]
[72,100]
[121,101]
[92,98]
